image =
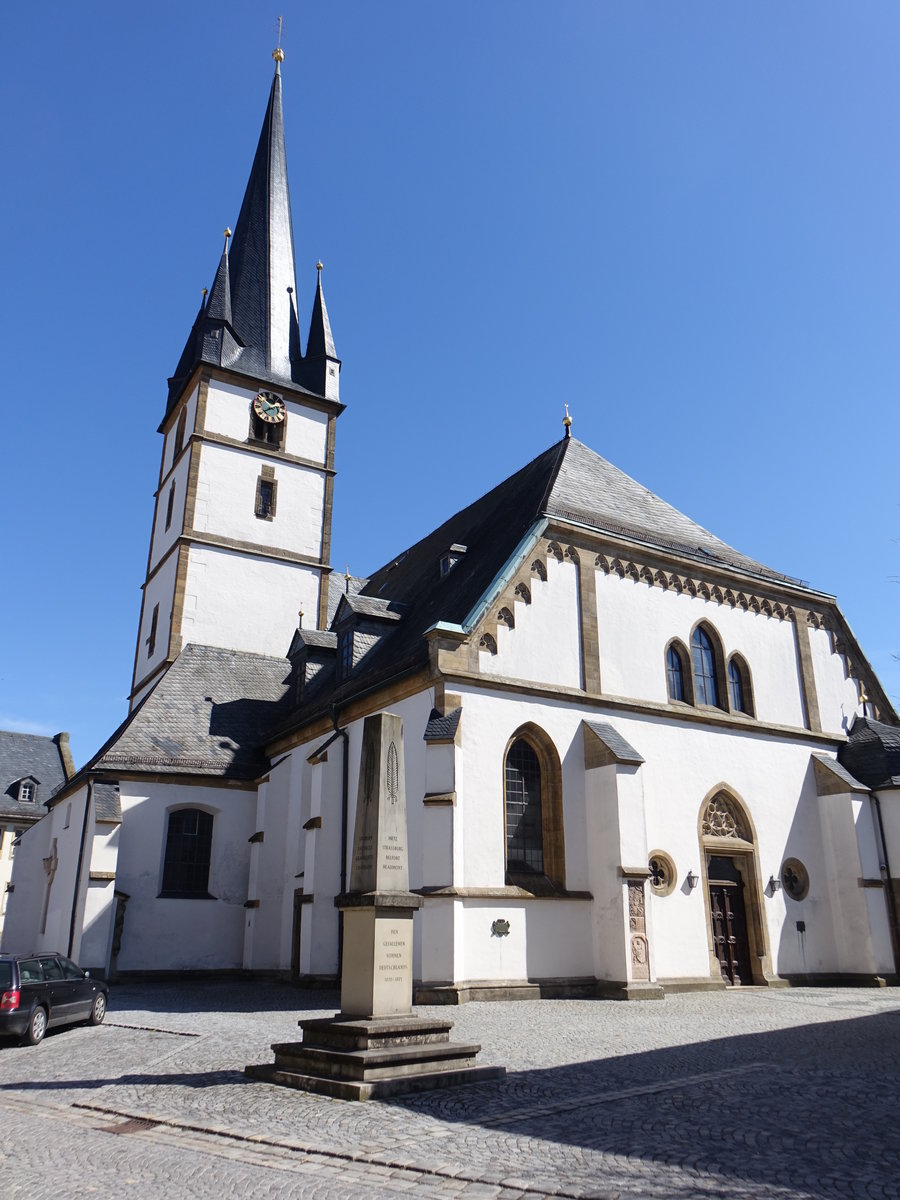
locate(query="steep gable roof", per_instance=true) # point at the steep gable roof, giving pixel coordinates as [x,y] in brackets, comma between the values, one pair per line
[28,756]
[568,481]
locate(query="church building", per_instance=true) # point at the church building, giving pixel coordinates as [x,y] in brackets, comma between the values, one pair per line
[635,759]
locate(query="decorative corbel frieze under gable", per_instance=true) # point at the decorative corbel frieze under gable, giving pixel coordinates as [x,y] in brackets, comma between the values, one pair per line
[694,585]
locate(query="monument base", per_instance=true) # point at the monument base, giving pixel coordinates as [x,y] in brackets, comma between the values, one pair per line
[353,1058]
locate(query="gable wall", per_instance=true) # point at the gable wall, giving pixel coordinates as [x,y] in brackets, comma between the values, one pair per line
[636,622]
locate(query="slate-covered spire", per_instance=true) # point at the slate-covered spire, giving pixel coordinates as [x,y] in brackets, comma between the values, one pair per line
[322,367]
[262,259]
[250,322]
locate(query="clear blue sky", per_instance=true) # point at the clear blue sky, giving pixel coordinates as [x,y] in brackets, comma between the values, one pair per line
[682,219]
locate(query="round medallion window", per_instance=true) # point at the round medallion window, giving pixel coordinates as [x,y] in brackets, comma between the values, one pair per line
[794,878]
[663,875]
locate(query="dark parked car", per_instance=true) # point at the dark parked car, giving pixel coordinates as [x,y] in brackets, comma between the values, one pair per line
[40,991]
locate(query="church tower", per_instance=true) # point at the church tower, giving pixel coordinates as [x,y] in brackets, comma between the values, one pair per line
[242,523]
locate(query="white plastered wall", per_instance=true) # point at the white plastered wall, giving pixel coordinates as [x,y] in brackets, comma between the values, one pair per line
[172,934]
[228,414]
[169,444]
[163,539]
[159,590]
[245,603]
[544,646]
[838,693]
[226,501]
[636,623]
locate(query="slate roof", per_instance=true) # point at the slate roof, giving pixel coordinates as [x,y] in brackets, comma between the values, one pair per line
[618,746]
[441,728]
[208,715]
[107,803]
[569,481]
[872,753]
[23,755]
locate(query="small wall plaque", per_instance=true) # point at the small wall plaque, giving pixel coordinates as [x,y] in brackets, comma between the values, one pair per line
[500,929]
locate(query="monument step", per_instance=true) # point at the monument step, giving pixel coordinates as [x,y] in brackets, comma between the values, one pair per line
[373,1064]
[375,1089]
[370,1033]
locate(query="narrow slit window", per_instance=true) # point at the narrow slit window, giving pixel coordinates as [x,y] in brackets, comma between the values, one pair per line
[170,505]
[151,637]
[266,495]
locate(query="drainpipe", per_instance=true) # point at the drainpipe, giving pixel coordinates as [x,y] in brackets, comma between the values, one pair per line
[84,827]
[886,871]
[345,776]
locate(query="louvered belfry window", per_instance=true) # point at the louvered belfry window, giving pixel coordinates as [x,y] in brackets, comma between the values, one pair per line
[524,830]
[188,846]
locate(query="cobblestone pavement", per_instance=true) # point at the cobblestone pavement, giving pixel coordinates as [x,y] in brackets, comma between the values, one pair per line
[762,1093]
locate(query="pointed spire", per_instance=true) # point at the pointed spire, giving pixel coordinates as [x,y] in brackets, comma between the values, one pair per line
[320,342]
[262,259]
[322,366]
[219,304]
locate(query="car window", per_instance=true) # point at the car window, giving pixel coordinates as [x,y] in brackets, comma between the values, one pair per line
[30,971]
[70,970]
[51,968]
[5,976]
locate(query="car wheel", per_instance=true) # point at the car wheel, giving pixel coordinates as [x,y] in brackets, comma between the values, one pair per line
[98,1012]
[37,1027]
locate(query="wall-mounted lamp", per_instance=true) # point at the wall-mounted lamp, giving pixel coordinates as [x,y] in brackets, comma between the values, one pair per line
[692,880]
[774,885]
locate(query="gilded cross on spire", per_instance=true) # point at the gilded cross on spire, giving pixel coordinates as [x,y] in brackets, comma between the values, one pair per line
[567,421]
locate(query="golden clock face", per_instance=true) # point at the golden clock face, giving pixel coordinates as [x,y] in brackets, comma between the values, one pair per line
[269,407]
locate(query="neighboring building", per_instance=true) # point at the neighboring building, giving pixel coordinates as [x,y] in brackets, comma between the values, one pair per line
[31,769]
[635,759]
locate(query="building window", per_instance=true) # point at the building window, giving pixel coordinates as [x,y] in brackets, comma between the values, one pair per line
[179,435]
[663,875]
[524,827]
[532,793]
[27,791]
[151,637]
[188,846]
[740,691]
[706,687]
[795,879]
[266,494]
[346,653]
[170,505]
[676,673]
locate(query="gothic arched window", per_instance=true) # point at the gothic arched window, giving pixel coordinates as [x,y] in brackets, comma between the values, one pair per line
[188,848]
[676,674]
[532,790]
[706,688]
[740,692]
[524,824]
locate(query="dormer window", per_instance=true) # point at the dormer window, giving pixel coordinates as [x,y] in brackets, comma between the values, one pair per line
[27,791]
[345,645]
[450,558]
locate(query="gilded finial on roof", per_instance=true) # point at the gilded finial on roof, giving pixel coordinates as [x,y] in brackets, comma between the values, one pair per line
[300,619]
[227,236]
[205,292]
[567,421]
[278,53]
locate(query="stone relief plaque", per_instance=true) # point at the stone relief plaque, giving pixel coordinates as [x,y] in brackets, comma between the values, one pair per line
[637,923]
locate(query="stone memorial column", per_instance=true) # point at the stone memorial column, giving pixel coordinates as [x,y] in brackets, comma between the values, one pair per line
[376,964]
[376,1046]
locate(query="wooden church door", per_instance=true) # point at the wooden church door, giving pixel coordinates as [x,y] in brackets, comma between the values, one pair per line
[729,920]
